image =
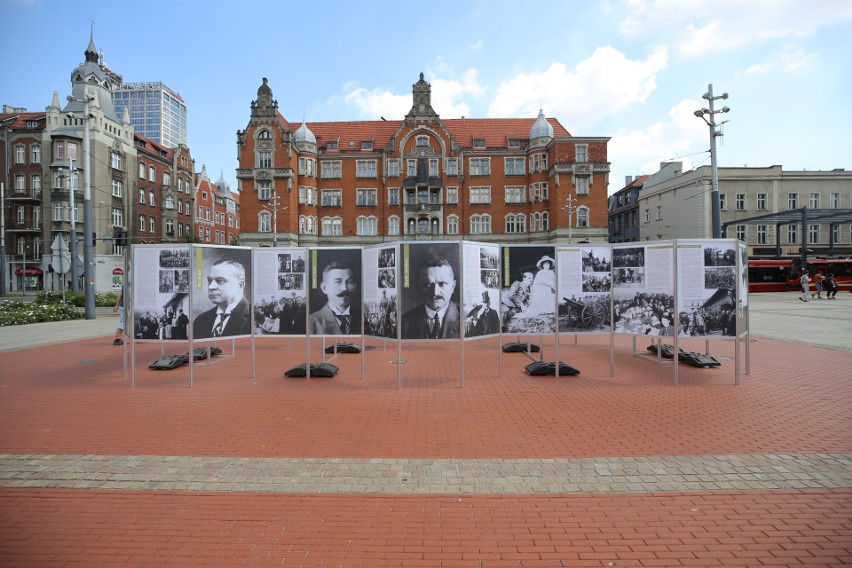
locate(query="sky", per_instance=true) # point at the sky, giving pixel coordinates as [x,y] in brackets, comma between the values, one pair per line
[630,70]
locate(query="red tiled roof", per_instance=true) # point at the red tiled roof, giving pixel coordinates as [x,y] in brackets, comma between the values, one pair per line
[21,118]
[495,131]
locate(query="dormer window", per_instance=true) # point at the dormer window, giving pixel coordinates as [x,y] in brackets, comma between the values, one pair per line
[332,145]
[422,141]
[367,145]
[479,142]
[514,143]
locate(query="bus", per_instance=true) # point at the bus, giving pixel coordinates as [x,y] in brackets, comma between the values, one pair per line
[782,274]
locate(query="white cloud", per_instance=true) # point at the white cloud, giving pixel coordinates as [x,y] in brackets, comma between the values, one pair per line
[477,46]
[790,59]
[638,152]
[698,27]
[595,88]
[447,97]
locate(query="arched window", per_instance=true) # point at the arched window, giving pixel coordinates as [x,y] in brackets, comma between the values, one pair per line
[393,225]
[366,225]
[453,225]
[480,224]
[332,226]
[263,222]
[544,221]
[264,135]
[582,216]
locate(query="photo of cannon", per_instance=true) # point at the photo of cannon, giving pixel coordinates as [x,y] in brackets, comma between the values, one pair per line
[590,313]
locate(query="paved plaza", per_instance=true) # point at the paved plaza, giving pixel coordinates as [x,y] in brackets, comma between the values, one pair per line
[415,465]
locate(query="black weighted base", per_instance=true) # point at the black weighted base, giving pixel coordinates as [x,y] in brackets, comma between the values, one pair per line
[699,359]
[518,347]
[344,348]
[549,368]
[317,370]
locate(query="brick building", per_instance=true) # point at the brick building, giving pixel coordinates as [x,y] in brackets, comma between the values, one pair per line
[361,182]
[217,219]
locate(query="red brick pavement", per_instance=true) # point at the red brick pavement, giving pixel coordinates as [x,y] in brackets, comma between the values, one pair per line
[795,400]
[121,528]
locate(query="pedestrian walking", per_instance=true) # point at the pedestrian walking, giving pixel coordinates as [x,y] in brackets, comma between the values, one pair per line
[818,279]
[805,281]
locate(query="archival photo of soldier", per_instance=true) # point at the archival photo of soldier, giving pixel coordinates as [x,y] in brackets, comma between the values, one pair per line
[381,316]
[221,300]
[160,293]
[628,277]
[334,292]
[720,277]
[480,300]
[528,296]
[719,256]
[596,259]
[280,301]
[430,290]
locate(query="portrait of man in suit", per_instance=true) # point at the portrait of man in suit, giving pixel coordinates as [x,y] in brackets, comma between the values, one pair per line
[231,312]
[340,315]
[437,316]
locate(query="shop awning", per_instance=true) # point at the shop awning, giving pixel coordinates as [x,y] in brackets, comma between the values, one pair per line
[31,271]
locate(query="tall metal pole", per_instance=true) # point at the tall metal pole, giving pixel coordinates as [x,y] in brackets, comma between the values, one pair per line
[72,237]
[88,245]
[714,172]
[274,217]
[708,115]
[3,237]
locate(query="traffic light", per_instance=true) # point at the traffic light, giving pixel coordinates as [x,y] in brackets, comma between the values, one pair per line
[94,238]
[119,238]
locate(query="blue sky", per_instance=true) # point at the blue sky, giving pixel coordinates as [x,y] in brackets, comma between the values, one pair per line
[632,70]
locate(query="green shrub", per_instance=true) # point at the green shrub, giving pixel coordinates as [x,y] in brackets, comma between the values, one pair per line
[19,313]
[103,300]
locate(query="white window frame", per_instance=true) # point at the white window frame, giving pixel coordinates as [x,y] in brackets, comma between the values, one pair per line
[813,233]
[742,234]
[367,226]
[813,200]
[264,191]
[480,224]
[141,170]
[514,194]
[366,197]
[393,167]
[479,166]
[480,195]
[365,169]
[792,234]
[582,185]
[452,195]
[792,201]
[581,153]
[762,235]
[331,169]
[834,200]
[723,202]
[332,226]
[264,159]
[514,166]
[452,166]
[453,225]
[115,160]
[761,201]
[393,225]
[152,200]
[152,174]
[331,198]
[740,202]
[20,153]
[117,188]
[582,216]
[35,154]
[117,217]
[393,196]
[264,222]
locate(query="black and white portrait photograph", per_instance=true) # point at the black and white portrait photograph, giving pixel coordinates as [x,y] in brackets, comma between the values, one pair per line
[528,297]
[161,292]
[335,292]
[222,302]
[430,292]
[280,301]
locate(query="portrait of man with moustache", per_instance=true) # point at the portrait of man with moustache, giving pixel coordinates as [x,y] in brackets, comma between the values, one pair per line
[340,314]
[437,315]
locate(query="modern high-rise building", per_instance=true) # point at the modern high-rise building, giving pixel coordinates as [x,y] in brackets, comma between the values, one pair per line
[156,111]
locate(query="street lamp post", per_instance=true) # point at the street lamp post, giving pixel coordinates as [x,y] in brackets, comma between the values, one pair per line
[570,208]
[703,114]
[88,256]
[275,217]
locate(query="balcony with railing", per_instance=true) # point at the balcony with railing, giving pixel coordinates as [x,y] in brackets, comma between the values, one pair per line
[25,195]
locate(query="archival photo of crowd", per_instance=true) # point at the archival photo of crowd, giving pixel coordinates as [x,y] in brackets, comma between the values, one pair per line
[707,288]
[481,290]
[584,289]
[528,295]
[381,316]
[643,313]
[279,291]
[160,293]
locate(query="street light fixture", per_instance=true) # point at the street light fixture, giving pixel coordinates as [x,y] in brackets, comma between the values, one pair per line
[570,208]
[274,210]
[88,254]
[703,114]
